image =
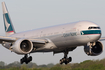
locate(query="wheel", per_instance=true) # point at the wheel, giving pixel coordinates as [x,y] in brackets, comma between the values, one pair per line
[26,62]
[30,58]
[64,59]
[61,61]
[70,59]
[21,61]
[66,62]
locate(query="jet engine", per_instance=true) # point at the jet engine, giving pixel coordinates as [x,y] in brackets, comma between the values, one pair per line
[94,48]
[22,46]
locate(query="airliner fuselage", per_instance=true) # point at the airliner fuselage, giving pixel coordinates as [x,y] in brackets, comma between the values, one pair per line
[64,36]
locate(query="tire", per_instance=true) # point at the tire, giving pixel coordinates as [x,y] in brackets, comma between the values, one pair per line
[30,58]
[26,62]
[61,61]
[21,61]
[66,62]
[70,59]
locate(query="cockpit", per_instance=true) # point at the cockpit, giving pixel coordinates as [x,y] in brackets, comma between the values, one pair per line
[94,28]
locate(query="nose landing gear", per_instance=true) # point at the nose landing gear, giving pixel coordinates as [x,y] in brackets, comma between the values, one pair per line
[65,59]
[26,59]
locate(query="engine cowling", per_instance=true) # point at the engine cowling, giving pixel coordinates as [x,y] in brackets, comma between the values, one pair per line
[94,49]
[22,46]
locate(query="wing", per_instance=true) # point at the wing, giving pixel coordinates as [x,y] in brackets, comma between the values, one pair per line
[102,38]
[13,39]
[7,39]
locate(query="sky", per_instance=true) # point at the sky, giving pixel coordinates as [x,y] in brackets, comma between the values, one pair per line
[33,14]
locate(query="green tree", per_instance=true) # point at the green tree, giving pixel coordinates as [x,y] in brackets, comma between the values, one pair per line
[2,63]
[32,65]
[50,65]
[14,64]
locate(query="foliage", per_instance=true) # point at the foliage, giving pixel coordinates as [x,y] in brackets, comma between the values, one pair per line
[85,65]
[2,63]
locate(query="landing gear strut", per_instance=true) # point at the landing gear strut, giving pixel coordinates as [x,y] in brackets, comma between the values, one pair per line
[26,59]
[65,59]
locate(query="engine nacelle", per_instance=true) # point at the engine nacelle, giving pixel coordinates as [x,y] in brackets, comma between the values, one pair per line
[22,46]
[94,49]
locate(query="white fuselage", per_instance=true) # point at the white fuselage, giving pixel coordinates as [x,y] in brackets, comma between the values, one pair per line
[64,36]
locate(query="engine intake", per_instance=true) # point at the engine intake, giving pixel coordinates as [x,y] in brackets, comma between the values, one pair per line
[25,45]
[22,46]
[94,49]
[97,48]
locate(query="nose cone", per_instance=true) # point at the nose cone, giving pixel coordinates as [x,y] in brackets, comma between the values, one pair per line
[90,30]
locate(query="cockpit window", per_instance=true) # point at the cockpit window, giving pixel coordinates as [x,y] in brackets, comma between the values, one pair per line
[94,28]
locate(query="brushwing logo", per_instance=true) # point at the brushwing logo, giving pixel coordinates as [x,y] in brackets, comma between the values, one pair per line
[7,25]
[82,33]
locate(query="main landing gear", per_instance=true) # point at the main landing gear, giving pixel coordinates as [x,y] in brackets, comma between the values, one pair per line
[26,59]
[65,59]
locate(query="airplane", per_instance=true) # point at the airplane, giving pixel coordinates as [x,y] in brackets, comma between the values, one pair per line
[61,38]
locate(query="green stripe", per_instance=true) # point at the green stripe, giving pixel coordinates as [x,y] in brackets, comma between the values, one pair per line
[90,32]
